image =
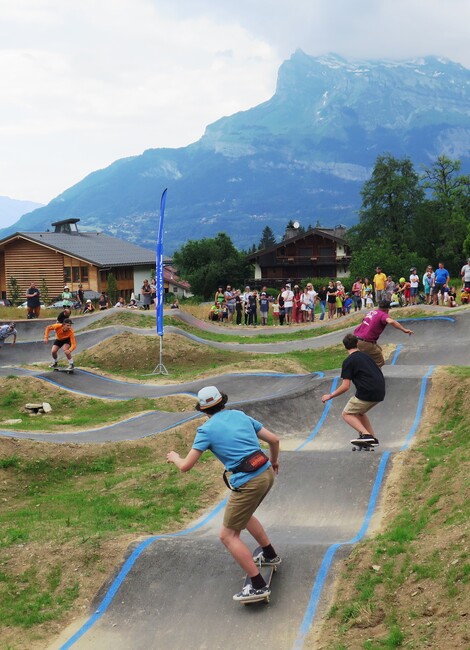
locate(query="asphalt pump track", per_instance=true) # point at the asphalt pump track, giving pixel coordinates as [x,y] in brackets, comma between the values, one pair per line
[175,591]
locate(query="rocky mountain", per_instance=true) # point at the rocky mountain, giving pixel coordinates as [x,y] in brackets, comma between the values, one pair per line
[303,155]
[12,209]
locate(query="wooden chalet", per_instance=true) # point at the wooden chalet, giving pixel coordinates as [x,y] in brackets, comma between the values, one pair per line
[70,257]
[316,253]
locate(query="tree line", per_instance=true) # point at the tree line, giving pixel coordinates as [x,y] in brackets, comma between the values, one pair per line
[407,219]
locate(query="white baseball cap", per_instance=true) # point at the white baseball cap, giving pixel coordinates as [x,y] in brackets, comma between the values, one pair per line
[208,397]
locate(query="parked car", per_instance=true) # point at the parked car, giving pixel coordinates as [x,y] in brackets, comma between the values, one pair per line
[5,303]
[24,305]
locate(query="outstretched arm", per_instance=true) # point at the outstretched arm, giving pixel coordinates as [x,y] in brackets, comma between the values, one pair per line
[398,326]
[184,464]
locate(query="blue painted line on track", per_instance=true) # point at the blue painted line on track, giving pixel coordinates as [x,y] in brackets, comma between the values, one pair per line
[419,408]
[417,320]
[322,419]
[325,565]
[127,566]
[397,353]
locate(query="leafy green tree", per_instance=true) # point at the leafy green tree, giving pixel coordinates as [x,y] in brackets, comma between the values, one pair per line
[112,290]
[13,290]
[447,214]
[385,235]
[210,262]
[267,238]
[44,291]
[390,201]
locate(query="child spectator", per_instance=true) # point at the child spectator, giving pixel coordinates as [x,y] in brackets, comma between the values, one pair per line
[339,304]
[264,308]
[276,312]
[347,304]
[465,296]
[452,297]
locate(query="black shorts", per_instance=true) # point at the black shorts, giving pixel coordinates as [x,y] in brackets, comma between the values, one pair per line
[439,286]
[61,342]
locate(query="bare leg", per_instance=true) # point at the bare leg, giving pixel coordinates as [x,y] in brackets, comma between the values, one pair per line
[359,423]
[255,529]
[239,550]
[54,351]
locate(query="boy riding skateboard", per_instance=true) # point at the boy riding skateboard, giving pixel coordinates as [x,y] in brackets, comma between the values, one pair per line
[64,338]
[360,369]
[233,437]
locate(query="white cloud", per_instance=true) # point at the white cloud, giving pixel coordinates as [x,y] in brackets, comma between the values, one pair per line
[84,83]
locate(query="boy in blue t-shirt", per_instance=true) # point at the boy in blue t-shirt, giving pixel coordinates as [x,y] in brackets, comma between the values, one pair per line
[233,437]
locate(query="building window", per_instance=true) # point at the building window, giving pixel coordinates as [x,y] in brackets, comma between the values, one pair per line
[67,274]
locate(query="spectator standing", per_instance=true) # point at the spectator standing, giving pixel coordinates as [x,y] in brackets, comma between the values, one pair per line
[264,308]
[297,305]
[428,281]
[312,298]
[229,296]
[80,295]
[238,307]
[414,284]
[67,297]
[389,287]
[366,290]
[322,300]
[356,290]
[288,296]
[219,297]
[465,273]
[379,284]
[146,292]
[441,282]
[331,299]
[253,304]
[33,301]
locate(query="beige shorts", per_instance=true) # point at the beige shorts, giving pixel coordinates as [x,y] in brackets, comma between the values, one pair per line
[373,350]
[357,406]
[243,503]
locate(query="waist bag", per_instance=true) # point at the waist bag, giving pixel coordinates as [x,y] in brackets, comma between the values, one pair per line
[250,463]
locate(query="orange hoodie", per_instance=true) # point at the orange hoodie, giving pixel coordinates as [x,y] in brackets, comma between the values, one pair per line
[60,335]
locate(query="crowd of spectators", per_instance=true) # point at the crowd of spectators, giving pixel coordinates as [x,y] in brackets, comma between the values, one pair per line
[295,304]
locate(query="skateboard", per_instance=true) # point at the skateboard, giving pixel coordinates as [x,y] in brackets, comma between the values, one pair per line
[362,445]
[267,572]
[67,370]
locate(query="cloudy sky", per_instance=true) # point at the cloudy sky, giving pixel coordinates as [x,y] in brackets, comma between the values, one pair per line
[85,83]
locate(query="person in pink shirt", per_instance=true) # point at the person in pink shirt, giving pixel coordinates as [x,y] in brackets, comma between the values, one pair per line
[372,326]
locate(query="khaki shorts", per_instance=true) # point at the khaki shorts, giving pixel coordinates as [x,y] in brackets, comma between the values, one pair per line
[357,406]
[243,503]
[373,350]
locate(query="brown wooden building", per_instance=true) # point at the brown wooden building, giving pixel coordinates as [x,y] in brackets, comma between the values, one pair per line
[316,253]
[70,257]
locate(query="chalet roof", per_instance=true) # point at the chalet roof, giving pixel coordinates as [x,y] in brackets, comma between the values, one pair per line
[93,247]
[321,232]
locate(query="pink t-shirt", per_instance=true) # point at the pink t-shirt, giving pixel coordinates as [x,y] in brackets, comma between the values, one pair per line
[372,326]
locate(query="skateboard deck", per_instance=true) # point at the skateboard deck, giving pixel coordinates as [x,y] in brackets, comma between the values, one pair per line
[362,445]
[267,572]
[67,370]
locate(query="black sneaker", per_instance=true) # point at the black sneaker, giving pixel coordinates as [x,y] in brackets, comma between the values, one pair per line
[367,437]
[249,593]
[260,560]
[54,364]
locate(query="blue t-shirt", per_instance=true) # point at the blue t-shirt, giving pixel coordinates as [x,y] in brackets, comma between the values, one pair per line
[441,276]
[231,436]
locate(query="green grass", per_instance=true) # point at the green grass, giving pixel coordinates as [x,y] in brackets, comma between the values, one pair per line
[83,412]
[78,503]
